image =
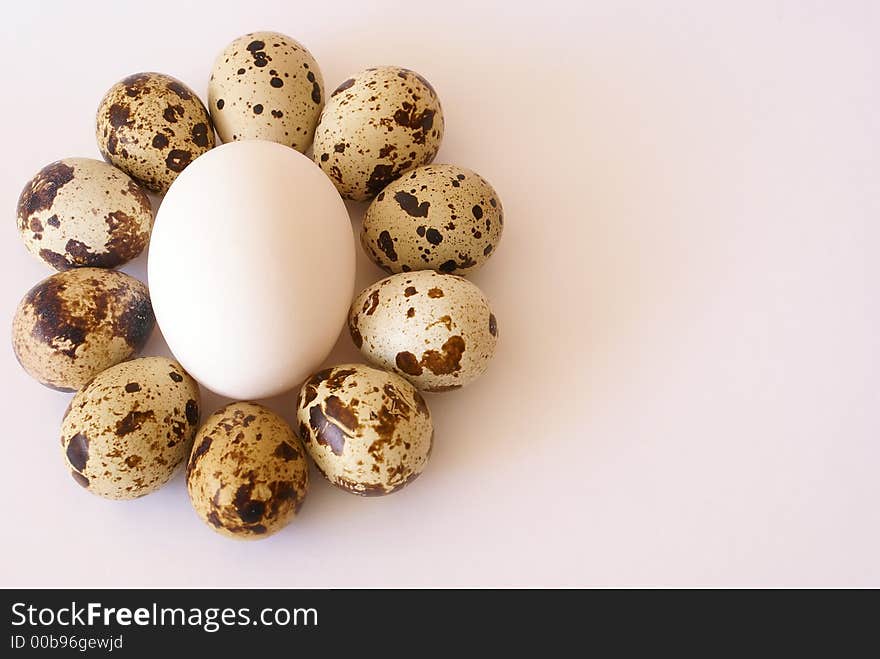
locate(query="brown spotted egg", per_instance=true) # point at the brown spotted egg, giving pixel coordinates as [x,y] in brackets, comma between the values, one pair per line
[437,217]
[83,212]
[247,474]
[128,430]
[374,127]
[434,329]
[152,126]
[74,324]
[266,86]
[368,431]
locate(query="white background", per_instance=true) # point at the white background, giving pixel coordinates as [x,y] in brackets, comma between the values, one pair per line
[686,391]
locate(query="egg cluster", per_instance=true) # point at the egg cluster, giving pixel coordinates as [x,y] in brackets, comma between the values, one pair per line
[133,423]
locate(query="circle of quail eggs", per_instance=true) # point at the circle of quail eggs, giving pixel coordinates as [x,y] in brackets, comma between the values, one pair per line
[128,430]
[368,431]
[247,475]
[151,126]
[435,330]
[436,217]
[83,212]
[266,86]
[375,126]
[76,323]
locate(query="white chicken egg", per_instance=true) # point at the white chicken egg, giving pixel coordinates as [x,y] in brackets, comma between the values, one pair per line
[251,268]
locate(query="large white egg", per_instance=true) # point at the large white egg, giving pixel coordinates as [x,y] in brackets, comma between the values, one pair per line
[251,268]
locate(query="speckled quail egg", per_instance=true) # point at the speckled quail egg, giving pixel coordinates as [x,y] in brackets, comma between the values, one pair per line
[83,212]
[434,329]
[375,126]
[437,217]
[152,126]
[74,324]
[266,86]
[128,430]
[368,431]
[247,474]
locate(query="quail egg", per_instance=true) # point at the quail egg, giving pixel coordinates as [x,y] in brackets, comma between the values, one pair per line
[127,431]
[247,474]
[74,324]
[83,212]
[368,431]
[152,126]
[436,330]
[375,126]
[436,217]
[266,86]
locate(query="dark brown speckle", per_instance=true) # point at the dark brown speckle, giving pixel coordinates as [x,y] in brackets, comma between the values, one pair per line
[78,451]
[79,478]
[345,85]
[177,160]
[410,204]
[326,433]
[371,303]
[407,362]
[386,245]
[381,176]
[39,193]
[133,421]
[200,134]
[192,412]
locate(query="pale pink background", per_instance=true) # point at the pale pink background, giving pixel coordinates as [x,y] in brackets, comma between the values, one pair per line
[687,388]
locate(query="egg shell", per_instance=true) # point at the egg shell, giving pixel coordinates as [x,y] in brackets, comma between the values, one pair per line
[436,217]
[74,324]
[368,431]
[266,86]
[436,330]
[247,475]
[377,125]
[152,126]
[83,212]
[128,430]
